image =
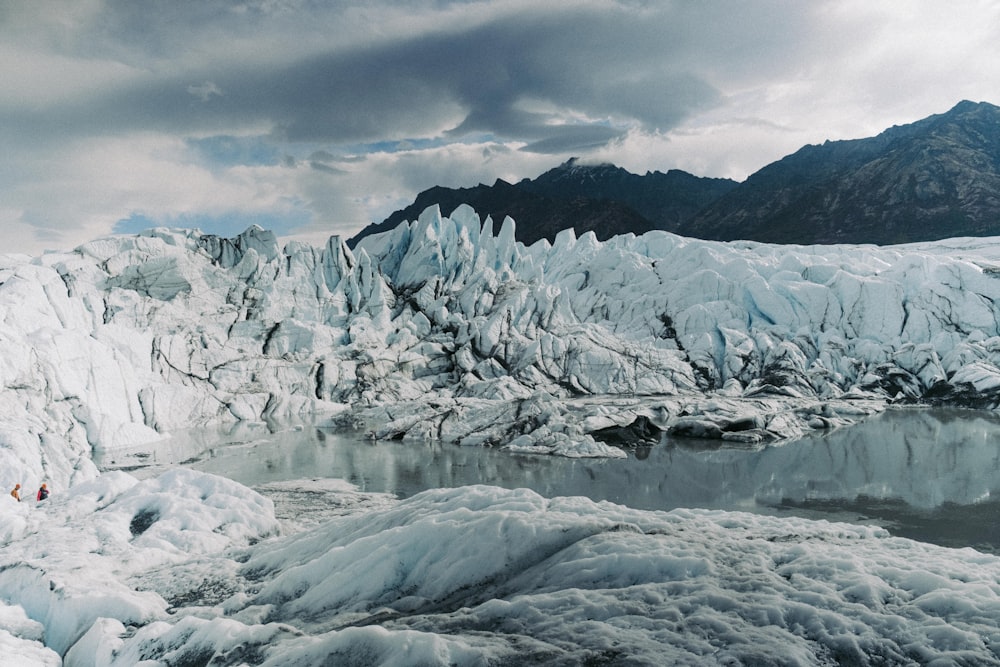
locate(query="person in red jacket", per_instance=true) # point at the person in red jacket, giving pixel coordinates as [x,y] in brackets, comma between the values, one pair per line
[43,492]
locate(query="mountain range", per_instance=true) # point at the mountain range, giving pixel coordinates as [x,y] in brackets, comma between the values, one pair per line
[933,179]
[604,199]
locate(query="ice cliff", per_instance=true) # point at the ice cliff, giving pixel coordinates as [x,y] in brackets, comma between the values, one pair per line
[449,328]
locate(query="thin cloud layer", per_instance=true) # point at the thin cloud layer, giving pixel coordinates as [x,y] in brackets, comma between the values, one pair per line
[322,117]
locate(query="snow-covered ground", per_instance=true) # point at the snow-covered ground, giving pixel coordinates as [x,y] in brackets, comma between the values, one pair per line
[185,569]
[445,329]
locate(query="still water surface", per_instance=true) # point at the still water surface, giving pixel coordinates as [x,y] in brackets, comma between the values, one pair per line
[928,474]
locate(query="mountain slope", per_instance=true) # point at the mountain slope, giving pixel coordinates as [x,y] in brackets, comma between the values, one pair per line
[538,215]
[933,179]
[604,199]
[667,200]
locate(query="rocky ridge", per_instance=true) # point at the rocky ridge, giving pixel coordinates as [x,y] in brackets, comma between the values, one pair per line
[933,179]
[603,199]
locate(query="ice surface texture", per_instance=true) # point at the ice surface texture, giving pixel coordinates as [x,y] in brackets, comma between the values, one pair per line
[454,331]
[445,329]
[475,575]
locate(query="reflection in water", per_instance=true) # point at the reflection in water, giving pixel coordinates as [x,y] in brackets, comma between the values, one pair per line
[932,475]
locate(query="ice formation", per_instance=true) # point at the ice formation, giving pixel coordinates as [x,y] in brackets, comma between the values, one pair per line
[176,571]
[127,338]
[447,329]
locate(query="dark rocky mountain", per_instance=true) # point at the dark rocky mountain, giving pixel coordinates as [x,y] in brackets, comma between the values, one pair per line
[936,178]
[605,199]
[668,200]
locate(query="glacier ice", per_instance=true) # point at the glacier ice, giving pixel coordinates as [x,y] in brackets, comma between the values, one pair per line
[444,329]
[472,575]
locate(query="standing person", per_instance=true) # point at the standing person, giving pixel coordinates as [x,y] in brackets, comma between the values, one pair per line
[43,492]
[16,492]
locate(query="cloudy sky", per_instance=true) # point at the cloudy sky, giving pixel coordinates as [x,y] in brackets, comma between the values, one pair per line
[316,117]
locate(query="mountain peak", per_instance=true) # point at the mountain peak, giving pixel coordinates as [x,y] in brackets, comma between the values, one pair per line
[599,197]
[965,111]
[966,106]
[575,166]
[928,180]
[576,162]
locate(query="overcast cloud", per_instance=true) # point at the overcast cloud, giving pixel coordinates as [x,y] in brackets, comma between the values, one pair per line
[316,118]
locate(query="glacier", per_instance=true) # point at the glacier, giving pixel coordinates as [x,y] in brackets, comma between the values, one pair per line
[446,329]
[449,329]
[193,569]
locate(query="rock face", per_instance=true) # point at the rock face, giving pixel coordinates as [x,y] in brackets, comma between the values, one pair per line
[446,328]
[603,199]
[933,179]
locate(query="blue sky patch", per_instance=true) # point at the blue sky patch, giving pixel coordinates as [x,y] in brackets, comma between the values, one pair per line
[229,151]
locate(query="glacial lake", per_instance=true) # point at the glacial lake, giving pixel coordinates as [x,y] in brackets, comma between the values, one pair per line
[927,474]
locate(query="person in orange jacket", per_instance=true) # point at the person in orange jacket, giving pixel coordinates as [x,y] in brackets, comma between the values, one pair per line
[16,492]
